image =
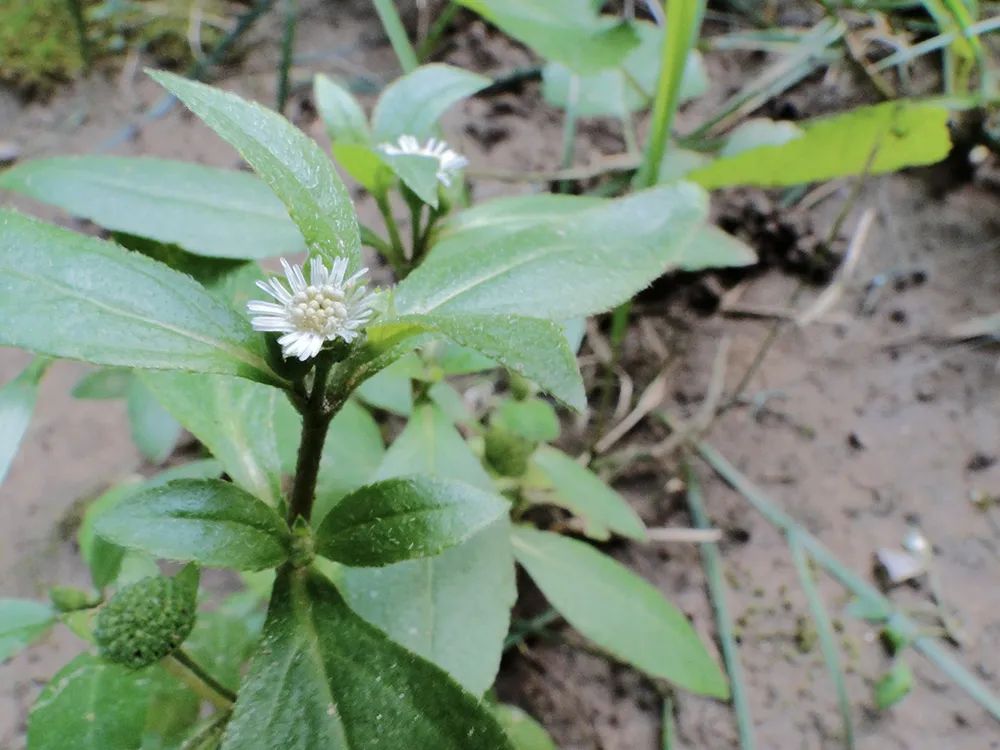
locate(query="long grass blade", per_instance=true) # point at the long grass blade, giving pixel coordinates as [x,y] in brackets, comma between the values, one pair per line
[398,38]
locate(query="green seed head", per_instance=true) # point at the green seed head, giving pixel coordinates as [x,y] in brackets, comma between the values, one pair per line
[146,621]
[508,452]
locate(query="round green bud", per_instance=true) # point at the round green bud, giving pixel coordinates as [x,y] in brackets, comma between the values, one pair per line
[506,451]
[145,621]
[69,599]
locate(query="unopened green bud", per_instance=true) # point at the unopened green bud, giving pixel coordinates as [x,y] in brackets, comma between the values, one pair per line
[507,452]
[520,387]
[303,552]
[146,620]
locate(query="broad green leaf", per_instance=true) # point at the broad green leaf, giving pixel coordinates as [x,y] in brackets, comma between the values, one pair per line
[329,679]
[460,360]
[364,164]
[78,297]
[173,709]
[344,119]
[430,445]
[568,31]
[524,732]
[154,431]
[758,132]
[573,264]
[391,389]
[453,609]
[534,348]
[92,704]
[628,86]
[22,622]
[404,519]
[288,160]
[237,420]
[105,383]
[582,492]
[222,643]
[351,455]
[208,521]
[451,403]
[532,419]
[219,213]
[17,402]
[412,104]
[211,273]
[418,173]
[874,140]
[710,247]
[104,558]
[618,610]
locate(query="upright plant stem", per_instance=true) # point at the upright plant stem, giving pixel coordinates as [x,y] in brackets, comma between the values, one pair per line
[824,631]
[80,26]
[397,257]
[287,46]
[683,22]
[315,423]
[428,43]
[712,563]
[394,29]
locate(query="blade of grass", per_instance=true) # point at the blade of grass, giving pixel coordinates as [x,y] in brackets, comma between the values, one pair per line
[683,22]
[909,54]
[824,631]
[927,645]
[394,29]
[287,43]
[711,561]
[428,44]
[668,731]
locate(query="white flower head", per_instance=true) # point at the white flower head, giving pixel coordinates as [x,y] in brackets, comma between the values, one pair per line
[327,308]
[449,162]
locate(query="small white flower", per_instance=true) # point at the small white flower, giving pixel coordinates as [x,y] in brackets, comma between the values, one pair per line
[327,308]
[449,162]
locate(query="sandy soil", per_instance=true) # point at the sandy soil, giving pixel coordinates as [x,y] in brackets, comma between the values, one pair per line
[924,416]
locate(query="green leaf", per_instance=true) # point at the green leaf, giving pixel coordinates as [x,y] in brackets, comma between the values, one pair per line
[91,704]
[568,31]
[351,454]
[390,389]
[315,685]
[222,643]
[894,685]
[413,103]
[104,558]
[453,609]
[154,431]
[532,419]
[105,383]
[172,711]
[288,160]
[237,420]
[219,213]
[212,273]
[419,173]
[364,164]
[534,348]
[583,493]
[451,403]
[627,87]
[758,132]
[78,297]
[208,521]
[22,622]
[876,139]
[344,119]
[572,264]
[618,611]
[404,519]
[710,247]
[524,732]
[17,402]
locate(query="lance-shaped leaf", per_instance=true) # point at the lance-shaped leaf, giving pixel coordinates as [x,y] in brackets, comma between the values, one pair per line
[329,679]
[403,519]
[17,402]
[576,264]
[524,732]
[412,104]
[77,297]
[22,622]
[534,348]
[341,113]
[208,521]
[288,160]
[240,423]
[618,610]
[154,431]
[220,213]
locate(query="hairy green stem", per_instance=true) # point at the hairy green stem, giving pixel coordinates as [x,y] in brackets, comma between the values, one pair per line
[188,671]
[394,29]
[287,43]
[315,424]
[714,578]
[397,256]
